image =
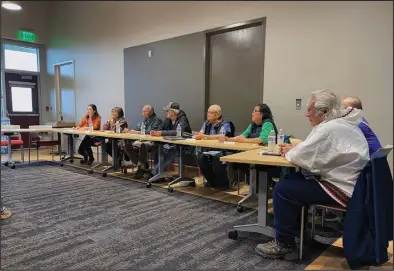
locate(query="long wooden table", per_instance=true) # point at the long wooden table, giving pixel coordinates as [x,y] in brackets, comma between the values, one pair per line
[214,144]
[12,131]
[254,157]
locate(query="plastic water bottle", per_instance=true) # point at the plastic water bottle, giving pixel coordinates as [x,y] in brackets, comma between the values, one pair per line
[178,131]
[90,125]
[271,141]
[222,135]
[117,127]
[143,128]
[281,137]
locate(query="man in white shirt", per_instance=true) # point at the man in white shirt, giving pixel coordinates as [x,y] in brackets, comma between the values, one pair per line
[331,159]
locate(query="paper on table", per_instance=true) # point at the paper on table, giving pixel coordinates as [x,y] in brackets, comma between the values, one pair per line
[229,143]
[211,152]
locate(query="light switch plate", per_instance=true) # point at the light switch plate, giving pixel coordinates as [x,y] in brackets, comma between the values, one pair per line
[298,104]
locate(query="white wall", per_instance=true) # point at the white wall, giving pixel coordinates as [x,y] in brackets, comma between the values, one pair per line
[344,46]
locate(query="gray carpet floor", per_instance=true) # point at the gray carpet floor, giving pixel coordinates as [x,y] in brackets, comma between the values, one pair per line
[64,218]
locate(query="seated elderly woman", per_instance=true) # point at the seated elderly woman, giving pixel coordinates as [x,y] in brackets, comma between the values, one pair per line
[331,159]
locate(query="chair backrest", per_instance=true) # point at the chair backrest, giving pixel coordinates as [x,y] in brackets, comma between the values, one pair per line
[386,149]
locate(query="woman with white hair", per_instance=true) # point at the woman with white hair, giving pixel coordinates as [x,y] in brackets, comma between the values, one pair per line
[331,159]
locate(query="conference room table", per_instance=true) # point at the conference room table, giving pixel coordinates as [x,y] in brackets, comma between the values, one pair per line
[254,157]
[13,131]
[181,143]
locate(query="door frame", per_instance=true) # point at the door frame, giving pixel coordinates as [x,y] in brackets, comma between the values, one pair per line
[56,67]
[41,65]
[207,52]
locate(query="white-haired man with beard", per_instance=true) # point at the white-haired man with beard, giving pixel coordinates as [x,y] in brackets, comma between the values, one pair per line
[331,159]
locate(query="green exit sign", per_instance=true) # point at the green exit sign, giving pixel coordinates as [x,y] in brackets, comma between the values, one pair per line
[26,36]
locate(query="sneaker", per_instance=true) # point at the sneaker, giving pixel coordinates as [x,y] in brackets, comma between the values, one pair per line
[274,250]
[84,160]
[5,214]
[90,161]
[139,173]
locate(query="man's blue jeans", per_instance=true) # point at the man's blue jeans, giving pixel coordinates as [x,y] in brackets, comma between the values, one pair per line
[290,195]
[170,152]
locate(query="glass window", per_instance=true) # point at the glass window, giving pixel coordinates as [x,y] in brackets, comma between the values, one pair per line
[20,58]
[22,99]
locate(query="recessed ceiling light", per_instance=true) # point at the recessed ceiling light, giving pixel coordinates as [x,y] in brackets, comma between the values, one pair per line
[11,6]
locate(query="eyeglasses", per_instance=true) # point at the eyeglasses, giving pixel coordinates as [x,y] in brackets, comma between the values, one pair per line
[256,111]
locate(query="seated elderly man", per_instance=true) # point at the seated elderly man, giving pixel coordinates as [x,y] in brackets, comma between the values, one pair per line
[212,168]
[331,159]
[175,116]
[137,151]
[372,139]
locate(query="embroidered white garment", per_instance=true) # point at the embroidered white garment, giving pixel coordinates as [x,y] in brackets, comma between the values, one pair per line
[336,150]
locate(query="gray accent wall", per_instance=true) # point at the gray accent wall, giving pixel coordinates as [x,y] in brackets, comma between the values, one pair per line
[174,72]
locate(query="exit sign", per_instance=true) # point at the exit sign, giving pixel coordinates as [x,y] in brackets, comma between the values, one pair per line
[26,36]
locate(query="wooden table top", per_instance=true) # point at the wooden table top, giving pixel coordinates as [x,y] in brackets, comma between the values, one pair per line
[215,144]
[254,157]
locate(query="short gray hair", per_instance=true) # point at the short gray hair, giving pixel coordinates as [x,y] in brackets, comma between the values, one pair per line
[217,108]
[149,107]
[355,102]
[326,100]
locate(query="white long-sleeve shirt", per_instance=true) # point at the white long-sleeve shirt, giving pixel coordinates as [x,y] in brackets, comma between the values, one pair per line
[335,150]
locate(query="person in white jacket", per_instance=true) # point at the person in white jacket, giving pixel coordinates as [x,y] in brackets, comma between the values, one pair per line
[331,159]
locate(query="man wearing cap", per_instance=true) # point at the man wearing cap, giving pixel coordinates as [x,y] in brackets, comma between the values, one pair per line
[175,116]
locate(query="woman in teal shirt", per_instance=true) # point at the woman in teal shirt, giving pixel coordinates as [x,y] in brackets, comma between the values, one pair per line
[260,128]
